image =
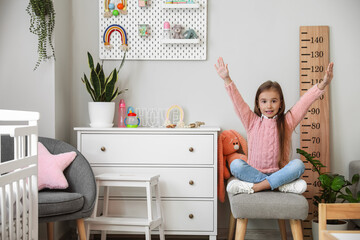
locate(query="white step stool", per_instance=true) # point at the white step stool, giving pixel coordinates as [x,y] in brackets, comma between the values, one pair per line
[107,223]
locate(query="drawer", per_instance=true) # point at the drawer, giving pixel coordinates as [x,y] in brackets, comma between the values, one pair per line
[177,214]
[174,182]
[147,149]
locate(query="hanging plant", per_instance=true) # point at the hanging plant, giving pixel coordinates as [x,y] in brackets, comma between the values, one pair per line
[42,23]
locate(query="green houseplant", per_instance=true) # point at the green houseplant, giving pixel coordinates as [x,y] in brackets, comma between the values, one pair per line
[103,91]
[101,88]
[333,188]
[42,24]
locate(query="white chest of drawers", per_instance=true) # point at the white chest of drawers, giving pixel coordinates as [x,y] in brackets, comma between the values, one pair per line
[186,160]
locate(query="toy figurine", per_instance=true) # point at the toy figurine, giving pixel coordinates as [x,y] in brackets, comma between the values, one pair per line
[190,34]
[177,31]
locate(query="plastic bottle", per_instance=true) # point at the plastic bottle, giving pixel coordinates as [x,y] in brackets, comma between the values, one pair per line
[166,30]
[122,114]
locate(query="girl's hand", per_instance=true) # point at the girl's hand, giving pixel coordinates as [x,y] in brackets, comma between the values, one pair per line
[223,70]
[328,77]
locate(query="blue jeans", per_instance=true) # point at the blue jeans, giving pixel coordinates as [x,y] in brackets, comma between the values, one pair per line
[243,171]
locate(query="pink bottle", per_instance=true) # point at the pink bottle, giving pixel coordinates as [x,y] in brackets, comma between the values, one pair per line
[122,114]
[167,30]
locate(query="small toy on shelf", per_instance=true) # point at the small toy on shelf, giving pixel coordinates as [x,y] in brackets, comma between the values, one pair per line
[167,33]
[190,34]
[144,30]
[143,3]
[177,31]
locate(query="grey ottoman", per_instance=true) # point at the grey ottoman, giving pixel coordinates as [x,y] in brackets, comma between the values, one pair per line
[268,205]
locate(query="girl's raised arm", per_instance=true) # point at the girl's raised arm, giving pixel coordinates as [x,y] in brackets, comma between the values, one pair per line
[328,77]
[223,71]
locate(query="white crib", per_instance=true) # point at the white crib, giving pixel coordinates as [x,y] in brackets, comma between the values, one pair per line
[18,177]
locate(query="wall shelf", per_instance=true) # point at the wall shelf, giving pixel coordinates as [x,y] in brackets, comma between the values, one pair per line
[182,5]
[179,41]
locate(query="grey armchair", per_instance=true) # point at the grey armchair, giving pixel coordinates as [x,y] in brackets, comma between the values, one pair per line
[74,203]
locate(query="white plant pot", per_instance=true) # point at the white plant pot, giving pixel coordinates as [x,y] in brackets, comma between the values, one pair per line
[101,114]
[336,227]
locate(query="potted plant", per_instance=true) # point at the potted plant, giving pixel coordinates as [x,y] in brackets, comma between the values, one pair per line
[333,188]
[42,23]
[103,91]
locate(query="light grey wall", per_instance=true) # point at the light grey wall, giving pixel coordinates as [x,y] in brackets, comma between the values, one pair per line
[63,69]
[21,88]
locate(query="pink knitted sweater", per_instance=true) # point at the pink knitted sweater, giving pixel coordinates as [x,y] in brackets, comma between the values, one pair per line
[262,133]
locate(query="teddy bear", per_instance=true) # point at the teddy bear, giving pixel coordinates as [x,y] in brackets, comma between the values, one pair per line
[177,31]
[231,145]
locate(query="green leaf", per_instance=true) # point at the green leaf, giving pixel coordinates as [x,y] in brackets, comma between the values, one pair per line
[325,180]
[88,87]
[348,191]
[355,179]
[90,61]
[110,86]
[115,94]
[98,68]
[102,80]
[338,183]
[95,81]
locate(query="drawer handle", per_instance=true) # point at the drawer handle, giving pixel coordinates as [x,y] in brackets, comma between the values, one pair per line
[191,182]
[191,216]
[103,149]
[191,149]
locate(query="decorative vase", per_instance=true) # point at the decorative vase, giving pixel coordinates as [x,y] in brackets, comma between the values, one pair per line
[101,114]
[342,225]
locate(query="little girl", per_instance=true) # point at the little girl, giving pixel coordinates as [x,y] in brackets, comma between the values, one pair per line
[269,132]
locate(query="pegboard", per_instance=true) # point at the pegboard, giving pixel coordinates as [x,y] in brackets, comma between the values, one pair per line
[151,47]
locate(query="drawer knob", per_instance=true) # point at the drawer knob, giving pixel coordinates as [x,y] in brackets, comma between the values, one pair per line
[191,182]
[103,149]
[191,216]
[191,149]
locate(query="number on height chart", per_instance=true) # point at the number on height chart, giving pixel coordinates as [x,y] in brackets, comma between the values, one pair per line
[315,111]
[317,68]
[317,54]
[317,39]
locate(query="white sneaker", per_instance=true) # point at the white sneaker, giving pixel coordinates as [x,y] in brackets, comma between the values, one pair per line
[298,186]
[236,186]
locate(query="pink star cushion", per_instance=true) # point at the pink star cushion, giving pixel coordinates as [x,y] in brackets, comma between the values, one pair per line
[51,167]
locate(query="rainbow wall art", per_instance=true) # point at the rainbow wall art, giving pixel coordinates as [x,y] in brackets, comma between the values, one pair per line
[107,34]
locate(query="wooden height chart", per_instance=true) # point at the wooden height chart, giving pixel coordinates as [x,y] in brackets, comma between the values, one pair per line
[314,128]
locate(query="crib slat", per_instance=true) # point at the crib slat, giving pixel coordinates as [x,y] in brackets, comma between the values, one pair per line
[3,212]
[30,207]
[11,211]
[17,205]
[24,215]
[33,191]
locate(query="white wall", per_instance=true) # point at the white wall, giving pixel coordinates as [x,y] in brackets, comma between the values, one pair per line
[21,88]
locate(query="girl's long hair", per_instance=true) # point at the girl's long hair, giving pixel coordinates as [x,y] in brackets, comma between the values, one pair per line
[280,120]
